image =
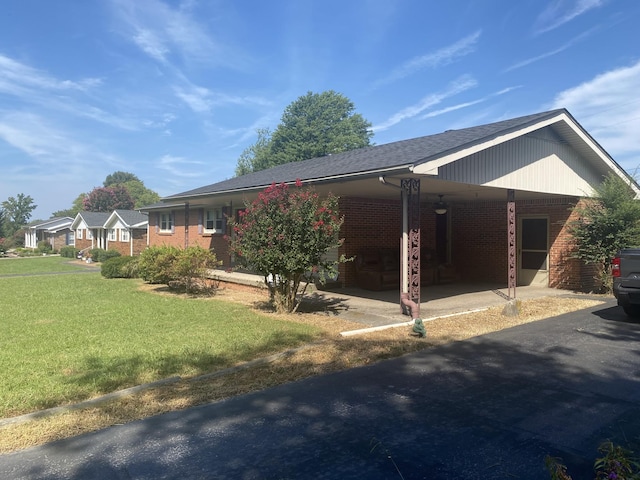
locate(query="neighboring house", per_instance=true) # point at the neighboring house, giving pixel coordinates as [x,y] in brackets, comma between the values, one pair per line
[89,230]
[122,230]
[127,231]
[56,231]
[486,204]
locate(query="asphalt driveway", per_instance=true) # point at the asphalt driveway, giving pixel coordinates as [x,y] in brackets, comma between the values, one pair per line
[487,408]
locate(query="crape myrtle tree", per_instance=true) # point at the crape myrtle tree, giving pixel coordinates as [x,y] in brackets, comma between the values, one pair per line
[314,125]
[284,235]
[107,199]
[607,222]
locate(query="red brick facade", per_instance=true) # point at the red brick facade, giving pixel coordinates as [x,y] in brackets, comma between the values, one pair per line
[192,235]
[137,242]
[477,233]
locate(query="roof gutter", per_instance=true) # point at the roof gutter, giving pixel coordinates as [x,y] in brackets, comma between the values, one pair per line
[338,178]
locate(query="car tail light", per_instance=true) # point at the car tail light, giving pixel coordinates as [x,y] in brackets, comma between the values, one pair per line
[615,267]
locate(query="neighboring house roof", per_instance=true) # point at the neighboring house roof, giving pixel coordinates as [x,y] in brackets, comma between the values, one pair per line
[129,218]
[52,225]
[434,156]
[91,219]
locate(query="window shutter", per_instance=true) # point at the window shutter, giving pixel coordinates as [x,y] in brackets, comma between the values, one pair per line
[200,220]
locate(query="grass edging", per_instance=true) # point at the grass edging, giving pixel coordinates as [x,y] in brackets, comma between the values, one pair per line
[93,402]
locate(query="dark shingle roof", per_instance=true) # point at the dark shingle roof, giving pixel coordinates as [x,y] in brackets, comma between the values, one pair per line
[378,158]
[94,219]
[132,217]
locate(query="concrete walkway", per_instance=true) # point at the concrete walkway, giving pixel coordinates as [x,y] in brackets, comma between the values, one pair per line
[375,309]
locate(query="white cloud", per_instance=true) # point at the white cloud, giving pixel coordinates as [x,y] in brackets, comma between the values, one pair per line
[441,57]
[457,86]
[608,106]
[460,106]
[180,166]
[45,144]
[160,31]
[559,12]
[560,49]
[21,80]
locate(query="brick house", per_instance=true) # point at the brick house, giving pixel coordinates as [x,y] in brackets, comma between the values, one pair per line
[121,230]
[56,231]
[126,232]
[486,204]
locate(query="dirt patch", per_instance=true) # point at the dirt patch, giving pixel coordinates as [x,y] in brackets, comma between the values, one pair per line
[332,353]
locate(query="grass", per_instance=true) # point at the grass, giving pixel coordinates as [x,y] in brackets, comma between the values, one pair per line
[38,265]
[72,337]
[322,350]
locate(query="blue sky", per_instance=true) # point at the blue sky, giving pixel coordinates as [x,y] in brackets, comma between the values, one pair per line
[173,91]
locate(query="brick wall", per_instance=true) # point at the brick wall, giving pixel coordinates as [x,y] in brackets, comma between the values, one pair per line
[58,240]
[478,245]
[479,248]
[139,238]
[84,242]
[179,238]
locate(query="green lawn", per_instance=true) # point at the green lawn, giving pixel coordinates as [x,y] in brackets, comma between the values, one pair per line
[33,265]
[71,337]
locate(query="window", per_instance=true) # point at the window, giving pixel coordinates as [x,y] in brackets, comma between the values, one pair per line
[166,222]
[213,221]
[79,234]
[112,234]
[89,235]
[124,235]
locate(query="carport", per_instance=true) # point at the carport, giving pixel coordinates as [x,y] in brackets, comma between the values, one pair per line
[491,203]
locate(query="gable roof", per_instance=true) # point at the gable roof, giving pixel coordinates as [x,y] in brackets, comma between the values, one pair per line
[91,219]
[53,224]
[129,218]
[422,156]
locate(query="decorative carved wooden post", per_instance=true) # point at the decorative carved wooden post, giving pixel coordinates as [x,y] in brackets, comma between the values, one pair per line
[411,190]
[511,241]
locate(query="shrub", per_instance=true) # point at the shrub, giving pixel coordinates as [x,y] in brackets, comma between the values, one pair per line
[189,269]
[69,252]
[44,247]
[119,267]
[155,262]
[176,267]
[100,254]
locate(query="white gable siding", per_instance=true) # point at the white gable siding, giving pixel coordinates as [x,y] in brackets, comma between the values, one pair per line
[535,162]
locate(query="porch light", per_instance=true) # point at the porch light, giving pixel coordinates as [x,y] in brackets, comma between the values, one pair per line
[440,207]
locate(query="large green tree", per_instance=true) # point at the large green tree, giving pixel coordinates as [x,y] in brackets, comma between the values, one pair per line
[314,125]
[140,195]
[17,212]
[606,223]
[119,177]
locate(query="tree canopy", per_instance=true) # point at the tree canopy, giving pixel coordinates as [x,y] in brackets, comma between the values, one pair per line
[314,125]
[284,235]
[118,178]
[107,199]
[606,223]
[17,212]
[138,193]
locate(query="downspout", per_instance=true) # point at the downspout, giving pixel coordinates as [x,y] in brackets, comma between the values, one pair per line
[406,303]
